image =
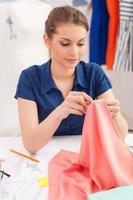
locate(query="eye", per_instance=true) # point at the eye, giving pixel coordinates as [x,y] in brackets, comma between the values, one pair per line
[81,44]
[64,43]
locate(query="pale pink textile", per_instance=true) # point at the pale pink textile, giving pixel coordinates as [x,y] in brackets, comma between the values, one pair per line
[104,160]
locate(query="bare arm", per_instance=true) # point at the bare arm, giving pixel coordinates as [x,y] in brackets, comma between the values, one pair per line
[36,135]
[114,108]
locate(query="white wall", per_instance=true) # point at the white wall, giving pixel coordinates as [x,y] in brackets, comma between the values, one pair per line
[21,45]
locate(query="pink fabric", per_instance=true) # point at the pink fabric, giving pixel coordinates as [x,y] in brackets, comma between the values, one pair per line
[104,160]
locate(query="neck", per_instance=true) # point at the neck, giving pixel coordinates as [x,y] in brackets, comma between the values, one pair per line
[58,72]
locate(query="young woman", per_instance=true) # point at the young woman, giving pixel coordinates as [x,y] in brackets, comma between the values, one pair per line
[52,98]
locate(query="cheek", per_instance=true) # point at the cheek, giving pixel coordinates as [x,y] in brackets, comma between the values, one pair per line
[81,51]
[56,51]
[59,49]
[63,52]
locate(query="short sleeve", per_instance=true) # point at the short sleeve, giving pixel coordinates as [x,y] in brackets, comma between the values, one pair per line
[25,88]
[102,82]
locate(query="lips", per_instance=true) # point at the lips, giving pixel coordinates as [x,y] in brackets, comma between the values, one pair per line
[72,60]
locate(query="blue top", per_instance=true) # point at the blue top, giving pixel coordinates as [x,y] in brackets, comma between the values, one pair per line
[36,84]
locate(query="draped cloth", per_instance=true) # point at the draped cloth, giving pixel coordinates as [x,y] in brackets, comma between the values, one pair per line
[104,161]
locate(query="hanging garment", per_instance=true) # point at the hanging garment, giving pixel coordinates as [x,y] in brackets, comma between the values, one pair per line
[113,10]
[104,160]
[77,3]
[124,50]
[98,32]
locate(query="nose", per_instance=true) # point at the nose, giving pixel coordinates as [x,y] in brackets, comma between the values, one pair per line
[73,51]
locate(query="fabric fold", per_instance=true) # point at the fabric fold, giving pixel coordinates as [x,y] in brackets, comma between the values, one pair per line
[103,162]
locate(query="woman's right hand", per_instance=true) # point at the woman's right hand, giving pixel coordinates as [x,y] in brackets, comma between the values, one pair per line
[74,103]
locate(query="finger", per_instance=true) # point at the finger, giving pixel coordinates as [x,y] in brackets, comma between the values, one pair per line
[75,112]
[83,94]
[78,107]
[87,97]
[75,98]
[112,102]
[114,109]
[80,100]
[114,115]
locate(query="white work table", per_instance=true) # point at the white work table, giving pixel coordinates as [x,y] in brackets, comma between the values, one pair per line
[23,184]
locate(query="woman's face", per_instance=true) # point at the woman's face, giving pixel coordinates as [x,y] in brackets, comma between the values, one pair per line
[67,45]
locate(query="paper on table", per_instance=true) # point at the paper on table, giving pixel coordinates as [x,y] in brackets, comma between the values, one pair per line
[27,174]
[27,180]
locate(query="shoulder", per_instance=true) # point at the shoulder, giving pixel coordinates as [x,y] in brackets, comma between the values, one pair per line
[94,78]
[32,73]
[91,69]
[90,66]
[94,74]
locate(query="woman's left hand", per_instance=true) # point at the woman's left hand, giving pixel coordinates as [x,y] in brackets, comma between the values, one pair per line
[113,106]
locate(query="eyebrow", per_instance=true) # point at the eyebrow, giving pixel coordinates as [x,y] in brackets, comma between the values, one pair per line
[70,40]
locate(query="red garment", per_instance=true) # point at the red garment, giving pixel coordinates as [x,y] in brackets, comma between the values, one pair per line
[113,10]
[104,160]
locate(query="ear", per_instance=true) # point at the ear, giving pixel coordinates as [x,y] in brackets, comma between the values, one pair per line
[46,40]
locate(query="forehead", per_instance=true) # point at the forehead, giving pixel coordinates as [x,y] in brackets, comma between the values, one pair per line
[70,31]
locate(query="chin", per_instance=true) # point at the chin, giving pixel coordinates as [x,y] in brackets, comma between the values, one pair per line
[72,63]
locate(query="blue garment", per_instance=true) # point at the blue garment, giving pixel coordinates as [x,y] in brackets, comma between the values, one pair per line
[36,84]
[99,32]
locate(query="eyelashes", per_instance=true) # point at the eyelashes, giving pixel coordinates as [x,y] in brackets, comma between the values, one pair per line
[68,44]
